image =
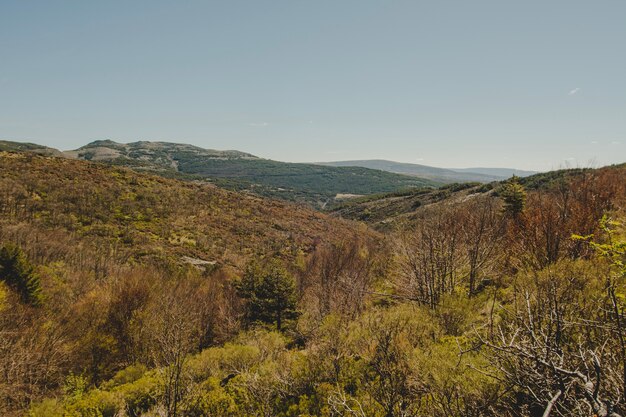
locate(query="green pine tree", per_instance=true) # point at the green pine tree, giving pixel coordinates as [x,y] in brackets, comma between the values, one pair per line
[514,196]
[270,294]
[19,274]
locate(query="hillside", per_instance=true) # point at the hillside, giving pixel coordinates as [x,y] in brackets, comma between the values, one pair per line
[385,211]
[148,218]
[311,184]
[126,293]
[94,233]
[28,147]
[441,175]
[240,171]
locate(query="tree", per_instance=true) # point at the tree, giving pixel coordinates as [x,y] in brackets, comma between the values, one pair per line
[514,196]
[430,257]
[338,277]
[269,292]
[20,275]
[482,235]
[171,326]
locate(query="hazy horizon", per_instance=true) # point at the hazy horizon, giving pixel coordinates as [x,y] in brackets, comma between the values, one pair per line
[566,164]
[532,85]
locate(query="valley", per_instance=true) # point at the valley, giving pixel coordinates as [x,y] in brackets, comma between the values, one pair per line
[126,290]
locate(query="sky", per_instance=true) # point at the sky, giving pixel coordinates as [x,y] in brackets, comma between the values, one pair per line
[525,84]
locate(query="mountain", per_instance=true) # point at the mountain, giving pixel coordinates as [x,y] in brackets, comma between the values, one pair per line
[163,155]
[9,146]
[309,183]
[442,175]
[496,172]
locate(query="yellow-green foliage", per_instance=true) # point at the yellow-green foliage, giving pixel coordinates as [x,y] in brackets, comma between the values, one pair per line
[392,359]
[612,245]
[117,292]
[127,376]
[450,378]
[95,403]
[138,396]
[3,296]
[210,399]
[50,407]
[127,392]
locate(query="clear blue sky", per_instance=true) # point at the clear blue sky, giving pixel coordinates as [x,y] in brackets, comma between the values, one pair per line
[525,84]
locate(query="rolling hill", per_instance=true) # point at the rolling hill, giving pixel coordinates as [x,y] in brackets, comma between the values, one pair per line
[496,172]
[10,146]
[309,183]
[145,217]
[442,175]
[385,211]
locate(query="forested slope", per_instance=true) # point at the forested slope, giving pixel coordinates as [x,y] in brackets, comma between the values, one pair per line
[507,302]
[391,210]
[94,235]
[139,215]
[314,185]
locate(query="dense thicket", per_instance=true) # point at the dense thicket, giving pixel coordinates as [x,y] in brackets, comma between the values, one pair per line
[467,308]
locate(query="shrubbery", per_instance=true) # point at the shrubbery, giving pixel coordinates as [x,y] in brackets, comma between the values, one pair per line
[459,310]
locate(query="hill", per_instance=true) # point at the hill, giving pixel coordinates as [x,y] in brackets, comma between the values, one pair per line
[145,216]
[28,147]
[157,154]
[384,211]
[88,233]
[240,171]
[441,175]
[503,173]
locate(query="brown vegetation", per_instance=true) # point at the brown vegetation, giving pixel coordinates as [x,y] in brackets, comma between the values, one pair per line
[160,297]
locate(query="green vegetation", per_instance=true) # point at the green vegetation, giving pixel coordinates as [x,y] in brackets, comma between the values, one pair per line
[160,297]
[316,180]
[513,196]
[269,293]
[19,274]
[312,184]
[390,211]
[442,175]
[8,146]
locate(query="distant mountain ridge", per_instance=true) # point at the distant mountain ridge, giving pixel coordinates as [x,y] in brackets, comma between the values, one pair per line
[10,146]
[309,183]
[147,150]
[163,155]
[316,184]
[501,172]
[444,175]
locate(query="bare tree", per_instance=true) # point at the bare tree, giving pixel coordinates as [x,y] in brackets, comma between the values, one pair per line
[430,257]
[172,328]
[338,277]
[483,228]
